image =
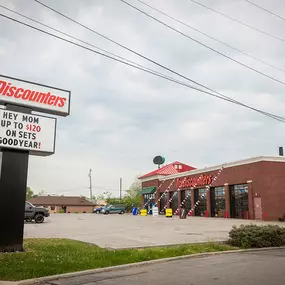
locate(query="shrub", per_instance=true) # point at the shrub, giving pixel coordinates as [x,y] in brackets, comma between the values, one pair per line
[247,236]
[61,211]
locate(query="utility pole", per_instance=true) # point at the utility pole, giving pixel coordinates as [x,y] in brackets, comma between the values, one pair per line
[90,182]
[121,189]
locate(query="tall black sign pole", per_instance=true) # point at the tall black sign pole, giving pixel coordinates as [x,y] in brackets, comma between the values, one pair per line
[13,185]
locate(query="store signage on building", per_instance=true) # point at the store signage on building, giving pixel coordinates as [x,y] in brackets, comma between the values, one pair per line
[27,132]
[189,181]
[35,96]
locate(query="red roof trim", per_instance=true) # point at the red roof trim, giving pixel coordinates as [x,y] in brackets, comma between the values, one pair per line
[169,169]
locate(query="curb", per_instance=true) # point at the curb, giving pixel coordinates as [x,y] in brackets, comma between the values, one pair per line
[133,265]
[165,245]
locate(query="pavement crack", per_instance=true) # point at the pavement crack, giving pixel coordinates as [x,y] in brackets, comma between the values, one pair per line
[95,280]
[117,276]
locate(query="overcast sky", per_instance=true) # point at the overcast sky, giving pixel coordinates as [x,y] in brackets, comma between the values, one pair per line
[120,117]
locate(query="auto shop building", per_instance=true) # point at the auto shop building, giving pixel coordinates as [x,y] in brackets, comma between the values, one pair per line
[253,188]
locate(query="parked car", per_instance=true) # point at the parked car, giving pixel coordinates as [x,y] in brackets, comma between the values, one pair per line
[37,214]
[114,209]
[98,210]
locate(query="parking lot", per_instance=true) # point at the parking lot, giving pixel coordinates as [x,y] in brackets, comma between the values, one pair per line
[124,231]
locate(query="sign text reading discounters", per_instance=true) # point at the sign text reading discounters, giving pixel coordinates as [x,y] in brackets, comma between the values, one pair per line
[35,96]
[27,132]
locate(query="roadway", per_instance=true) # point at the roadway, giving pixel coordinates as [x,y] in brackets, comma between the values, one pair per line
[250,268]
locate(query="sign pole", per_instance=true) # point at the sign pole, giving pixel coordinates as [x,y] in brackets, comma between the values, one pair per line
[13,186]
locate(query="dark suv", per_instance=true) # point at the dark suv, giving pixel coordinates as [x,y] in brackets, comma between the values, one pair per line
[35,213]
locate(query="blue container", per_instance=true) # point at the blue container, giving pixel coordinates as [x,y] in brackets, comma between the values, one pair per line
[135,211]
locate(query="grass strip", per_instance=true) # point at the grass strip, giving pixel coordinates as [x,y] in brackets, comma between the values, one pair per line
[44,257]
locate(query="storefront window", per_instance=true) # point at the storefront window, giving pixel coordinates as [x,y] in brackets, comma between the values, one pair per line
[174,202]
[239,201]
[200,195]
[187,204]
[149,200]
[163,203]
[218,201]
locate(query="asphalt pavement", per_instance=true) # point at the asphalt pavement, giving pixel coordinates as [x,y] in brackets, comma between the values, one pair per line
[246,268]
[126,231]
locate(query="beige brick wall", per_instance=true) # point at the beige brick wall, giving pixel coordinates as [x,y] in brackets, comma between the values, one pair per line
[79,209]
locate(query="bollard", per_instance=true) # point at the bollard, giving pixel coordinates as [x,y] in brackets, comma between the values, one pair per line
[168,213]
[155,211]
[264,216]
[134,211]
[183,214]
[247,216]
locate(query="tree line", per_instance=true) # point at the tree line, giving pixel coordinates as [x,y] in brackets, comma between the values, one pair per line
[130,199]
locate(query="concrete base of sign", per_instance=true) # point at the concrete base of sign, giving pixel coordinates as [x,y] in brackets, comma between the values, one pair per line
[13,187]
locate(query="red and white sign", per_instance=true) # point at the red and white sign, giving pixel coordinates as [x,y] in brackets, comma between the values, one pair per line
[188,182]
[27,132]
[35,96]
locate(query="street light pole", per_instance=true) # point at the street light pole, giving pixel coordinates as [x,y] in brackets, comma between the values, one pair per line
[121,189]
[90,183]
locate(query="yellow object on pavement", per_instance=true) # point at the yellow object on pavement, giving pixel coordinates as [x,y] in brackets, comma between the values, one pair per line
[144,212]
[168,213]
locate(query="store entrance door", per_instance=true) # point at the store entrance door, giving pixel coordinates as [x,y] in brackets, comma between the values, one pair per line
[257,208]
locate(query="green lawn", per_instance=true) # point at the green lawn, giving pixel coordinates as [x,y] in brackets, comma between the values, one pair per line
[45,257]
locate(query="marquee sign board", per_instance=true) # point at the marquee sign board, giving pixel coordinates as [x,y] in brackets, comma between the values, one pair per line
[35,134]
[35,96]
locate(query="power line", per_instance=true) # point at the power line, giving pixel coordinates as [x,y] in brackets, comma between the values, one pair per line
[156,63]
[70,191]
[75,38]
[278,118]
[238,21]
[85,188]
[266,10]
[110,53]
[142,56]
[204,45]
[211,37]
[108,40]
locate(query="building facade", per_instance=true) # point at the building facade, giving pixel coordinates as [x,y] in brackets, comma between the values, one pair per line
[64,204]
[246,189]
